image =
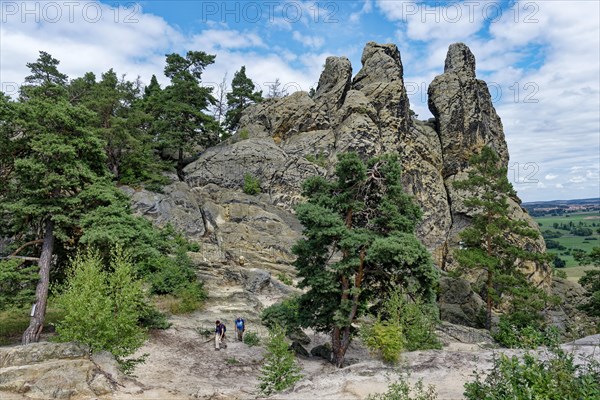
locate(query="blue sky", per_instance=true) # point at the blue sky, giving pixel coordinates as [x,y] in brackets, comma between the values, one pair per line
[541,59]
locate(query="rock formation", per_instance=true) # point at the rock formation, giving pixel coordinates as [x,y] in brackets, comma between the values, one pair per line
[370,114]
[283,141]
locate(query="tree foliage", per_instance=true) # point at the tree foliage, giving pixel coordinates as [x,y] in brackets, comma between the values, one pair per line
[102,308]
[358,244]
[181,123]
[591,283]
[490,240]
[241,96]
[555,376]
[280,369]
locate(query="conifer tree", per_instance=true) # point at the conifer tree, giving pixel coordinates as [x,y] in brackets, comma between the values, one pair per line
[181,122]
[241,96]
[490,240]
[358,244]
[60,157]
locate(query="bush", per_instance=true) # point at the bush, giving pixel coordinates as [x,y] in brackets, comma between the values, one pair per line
[251,185]
[102,309]
[401,324]
[151,318]
[402,390]
[527,337]
[280,370]
[285,279]
[384,337]
[244,134]
[251,339]
[172,274]
[555,378]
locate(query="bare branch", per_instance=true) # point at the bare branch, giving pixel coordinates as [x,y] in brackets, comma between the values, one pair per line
[20,258]
[17,251]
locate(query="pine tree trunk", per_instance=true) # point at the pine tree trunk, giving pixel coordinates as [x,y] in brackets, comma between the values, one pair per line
[36,323]
[180,165]
[340,344]
[488,319]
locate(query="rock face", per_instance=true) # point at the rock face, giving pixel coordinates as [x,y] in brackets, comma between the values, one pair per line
[289,139]
[56,371]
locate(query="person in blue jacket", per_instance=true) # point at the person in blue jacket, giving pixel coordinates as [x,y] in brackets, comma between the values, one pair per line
[240,327]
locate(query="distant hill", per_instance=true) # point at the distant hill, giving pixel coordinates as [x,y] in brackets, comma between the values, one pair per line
[539,208]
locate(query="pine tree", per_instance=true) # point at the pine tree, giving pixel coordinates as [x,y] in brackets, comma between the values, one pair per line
[241,96]
[280,370]
[181,123]
[358,244]
[490,240]
[60,157]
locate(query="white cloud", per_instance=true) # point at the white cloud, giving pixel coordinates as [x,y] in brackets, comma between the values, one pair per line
[550,177]
[577,179]
[366,9]
[314,42]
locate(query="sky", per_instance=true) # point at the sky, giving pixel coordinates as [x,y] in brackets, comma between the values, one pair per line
[541,59]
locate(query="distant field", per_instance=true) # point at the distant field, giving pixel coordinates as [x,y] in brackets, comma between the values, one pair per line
[588,219]
[574,273]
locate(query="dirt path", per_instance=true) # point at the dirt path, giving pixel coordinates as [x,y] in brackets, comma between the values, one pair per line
[183,364]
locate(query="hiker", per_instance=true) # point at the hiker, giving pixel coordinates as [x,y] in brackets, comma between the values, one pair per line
[240,327]
[220,330]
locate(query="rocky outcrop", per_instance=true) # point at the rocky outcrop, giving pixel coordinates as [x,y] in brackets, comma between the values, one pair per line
[56,371]
[286,140]
[458,303]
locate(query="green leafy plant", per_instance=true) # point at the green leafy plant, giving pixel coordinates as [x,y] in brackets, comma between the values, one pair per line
[251,185]
[401,389]
[281,369]
[251,339]
[384,337]
[244,134]
[232,361]
[401,324]
[285,279]
[102,309]
[554,377]
[526,337]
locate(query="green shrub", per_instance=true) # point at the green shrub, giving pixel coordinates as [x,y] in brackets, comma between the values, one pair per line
[251,339]
[285,279]
[384,337]
[401,325]
[244,134]
[281,369]
[151,318]
[172,274]
[251,185]
[191,298]
[402,390]
[527,337]
[557,377]
[102,309]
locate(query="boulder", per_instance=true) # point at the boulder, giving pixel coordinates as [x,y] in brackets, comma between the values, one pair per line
[458,303]
[299,350]
[57,371]
[322,351]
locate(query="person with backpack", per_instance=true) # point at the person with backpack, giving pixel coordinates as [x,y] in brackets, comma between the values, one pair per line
[240,327]
[220,330]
